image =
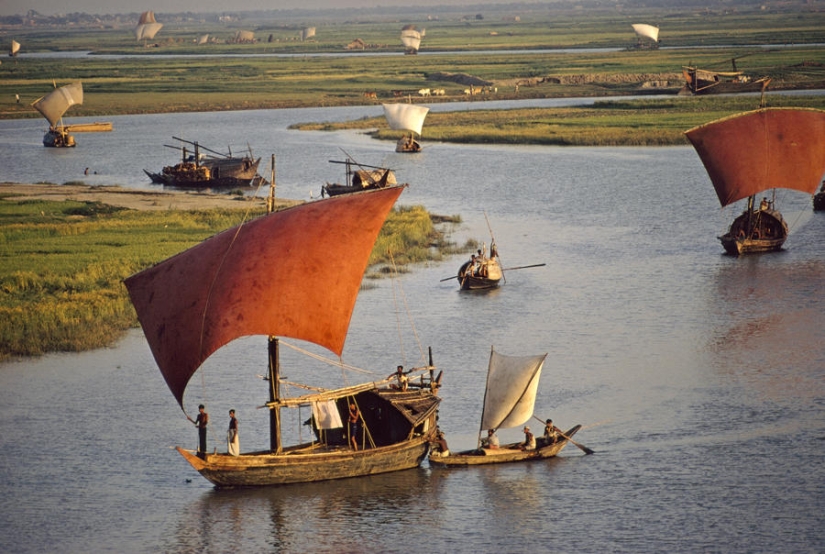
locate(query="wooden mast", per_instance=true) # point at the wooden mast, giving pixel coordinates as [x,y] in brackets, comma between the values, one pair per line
[274,358]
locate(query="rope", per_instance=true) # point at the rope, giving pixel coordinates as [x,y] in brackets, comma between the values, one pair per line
[320,358]
[397,282]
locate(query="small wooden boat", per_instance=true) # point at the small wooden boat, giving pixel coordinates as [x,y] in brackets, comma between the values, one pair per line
[705,81]
[408,118]
[481,271]
[751,152]
[54,105]
[509,400]
[270,276]
[366,177]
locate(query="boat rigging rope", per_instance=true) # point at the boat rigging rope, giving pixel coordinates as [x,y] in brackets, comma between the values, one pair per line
[320,358]
[396,292]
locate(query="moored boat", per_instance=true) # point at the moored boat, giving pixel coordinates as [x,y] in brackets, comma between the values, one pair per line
[705,81]
[752,152]
[509,401]
[365,177]
[270,276]
[200,171]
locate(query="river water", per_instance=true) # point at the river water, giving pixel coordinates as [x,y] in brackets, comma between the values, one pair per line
[699,378]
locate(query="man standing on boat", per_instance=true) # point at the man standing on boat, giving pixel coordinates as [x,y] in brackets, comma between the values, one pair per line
[354,425]
[232,442]
[201,422]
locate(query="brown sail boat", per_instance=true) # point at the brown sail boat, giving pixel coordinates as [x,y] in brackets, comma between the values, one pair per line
[752,152]
[271,276]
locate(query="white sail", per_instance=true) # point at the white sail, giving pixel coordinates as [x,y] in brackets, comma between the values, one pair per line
[411,39]
[55,104]
[15,47]
[512,383]
[245,36]
[147,26]
[308,32]
[647,31]
[405,117]
[203,39]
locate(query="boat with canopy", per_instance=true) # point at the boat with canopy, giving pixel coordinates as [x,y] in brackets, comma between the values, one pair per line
[271,276]
[359,177]
[752,152]
[409,118]
[509,401]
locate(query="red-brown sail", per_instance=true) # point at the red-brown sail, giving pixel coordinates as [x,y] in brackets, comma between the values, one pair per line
[293,273]
[748,153]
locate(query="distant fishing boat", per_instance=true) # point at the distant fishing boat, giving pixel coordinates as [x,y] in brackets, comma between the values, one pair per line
[359,177]
[147,27]
[406,117]
[14,48]
[752,152]
[509,401]
[54,105]
[647,36]
[292,273]
[411,39]
[199,171]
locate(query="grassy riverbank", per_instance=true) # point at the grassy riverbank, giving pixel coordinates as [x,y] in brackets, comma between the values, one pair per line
[63,263]
[653,122]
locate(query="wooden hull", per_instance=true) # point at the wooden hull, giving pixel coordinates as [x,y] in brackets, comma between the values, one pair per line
[57,139]
[231,173]
[493,277]
[700,82]
[406,145]
[755,232]
[506,454]
[306,465]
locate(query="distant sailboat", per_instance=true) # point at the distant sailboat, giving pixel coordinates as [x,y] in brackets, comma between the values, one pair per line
[307,33]
[203,39]
[14,49]
[53,106]
[406,117]
[644,31]
[411,39]
[751,152]
[147,27]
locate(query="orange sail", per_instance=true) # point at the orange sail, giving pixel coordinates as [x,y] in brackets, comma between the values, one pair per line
[748,153]
[293,273]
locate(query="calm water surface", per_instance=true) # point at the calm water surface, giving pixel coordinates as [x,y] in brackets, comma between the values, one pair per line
[699,378]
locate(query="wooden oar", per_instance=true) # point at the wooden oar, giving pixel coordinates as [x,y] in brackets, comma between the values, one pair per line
[449,278]
[581,447]
[522,267]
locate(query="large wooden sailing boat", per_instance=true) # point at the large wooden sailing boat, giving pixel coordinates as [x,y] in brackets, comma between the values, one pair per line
[54,105]
[752,152]
[509,401]
[271,276]
[213,170]
[409,118]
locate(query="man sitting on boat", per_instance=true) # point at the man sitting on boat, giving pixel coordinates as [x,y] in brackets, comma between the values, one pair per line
[550,432]
[529,440]
[491,442]
[402,380]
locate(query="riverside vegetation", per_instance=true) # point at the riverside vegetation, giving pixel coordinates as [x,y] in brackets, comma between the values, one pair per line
[63,264]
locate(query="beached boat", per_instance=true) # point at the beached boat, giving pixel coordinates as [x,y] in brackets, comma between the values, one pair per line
[213,170]
[409,118]
[706,81]
[53,106]
[359,177]
[509,401]
[749,153]
[271,276]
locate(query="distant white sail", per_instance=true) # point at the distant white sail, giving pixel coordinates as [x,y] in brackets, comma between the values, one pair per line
[15,47]
[55,104]
[244,36]
[147,26]
[203,39]
[406,117]
[411,39]
[309,32]
[512,384]
[648,31]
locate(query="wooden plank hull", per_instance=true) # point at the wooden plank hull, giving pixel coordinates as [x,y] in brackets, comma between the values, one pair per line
[493,277]
[759,231]
[506,454]
[305,466]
